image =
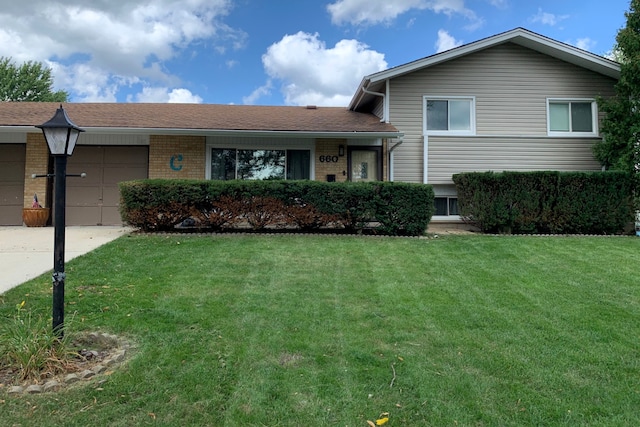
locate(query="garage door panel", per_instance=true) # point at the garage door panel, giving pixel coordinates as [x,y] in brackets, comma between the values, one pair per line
[126,156]
[111,197]
[111,215]
[11,215]
[83,196]
[85,154]
[97,196]
[12,159]
[119,174]
[83,215]
[12,171]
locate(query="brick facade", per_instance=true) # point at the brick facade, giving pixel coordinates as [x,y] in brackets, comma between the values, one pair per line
[177,156]
[327,160]
[37,161]
[329,149]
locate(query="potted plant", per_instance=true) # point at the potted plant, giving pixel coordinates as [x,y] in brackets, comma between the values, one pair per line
[36,215]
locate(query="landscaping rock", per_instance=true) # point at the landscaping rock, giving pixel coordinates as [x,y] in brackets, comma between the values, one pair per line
[33,389]
[52,385]
[16,389]
[71,378]
[87,373]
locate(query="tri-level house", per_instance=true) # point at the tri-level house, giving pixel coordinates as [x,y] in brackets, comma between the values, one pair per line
[514,101]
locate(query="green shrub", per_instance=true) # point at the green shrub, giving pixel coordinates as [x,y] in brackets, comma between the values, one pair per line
[546,202]
[28,343]
[383,207]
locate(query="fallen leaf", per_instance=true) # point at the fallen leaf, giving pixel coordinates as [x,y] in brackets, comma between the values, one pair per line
[371,423]
[382,421]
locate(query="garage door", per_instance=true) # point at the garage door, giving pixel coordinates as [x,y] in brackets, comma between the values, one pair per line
[94,200]
[12,157]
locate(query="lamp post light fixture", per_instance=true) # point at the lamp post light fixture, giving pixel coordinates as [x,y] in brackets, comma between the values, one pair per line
[61,135]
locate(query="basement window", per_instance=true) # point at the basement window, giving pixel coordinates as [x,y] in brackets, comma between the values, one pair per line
[446,206]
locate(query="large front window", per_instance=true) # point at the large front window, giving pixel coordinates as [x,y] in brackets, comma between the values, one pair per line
[231,163]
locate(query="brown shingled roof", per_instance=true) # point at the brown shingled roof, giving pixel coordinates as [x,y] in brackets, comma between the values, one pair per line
[196,116]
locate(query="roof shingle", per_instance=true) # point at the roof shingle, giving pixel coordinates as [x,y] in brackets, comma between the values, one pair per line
[197,117]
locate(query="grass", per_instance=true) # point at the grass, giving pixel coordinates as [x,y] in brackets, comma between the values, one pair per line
[302,330]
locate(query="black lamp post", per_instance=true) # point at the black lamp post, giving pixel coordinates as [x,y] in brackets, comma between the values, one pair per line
[61,135]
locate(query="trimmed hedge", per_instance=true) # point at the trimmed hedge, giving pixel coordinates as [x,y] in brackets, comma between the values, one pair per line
[546,202]
[381,207]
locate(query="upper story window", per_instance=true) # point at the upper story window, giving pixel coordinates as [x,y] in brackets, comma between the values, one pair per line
[572,117]
[449,115]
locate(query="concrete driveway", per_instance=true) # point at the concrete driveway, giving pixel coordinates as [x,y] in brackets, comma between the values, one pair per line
[27,252]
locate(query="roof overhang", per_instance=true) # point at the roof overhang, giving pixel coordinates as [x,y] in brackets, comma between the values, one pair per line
[519,36]
[222,132]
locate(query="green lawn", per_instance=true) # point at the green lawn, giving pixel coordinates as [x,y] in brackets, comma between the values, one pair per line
[242,330]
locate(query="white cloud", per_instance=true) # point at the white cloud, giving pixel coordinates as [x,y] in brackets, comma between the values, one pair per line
[446,41]
[263,90]
[166,95]
[585,43]
[546,18]
[372,12]
[500,4]
[311,73]
[95,47]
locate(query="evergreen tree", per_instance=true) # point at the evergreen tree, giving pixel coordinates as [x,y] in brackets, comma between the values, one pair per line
[30,81]
[620,147]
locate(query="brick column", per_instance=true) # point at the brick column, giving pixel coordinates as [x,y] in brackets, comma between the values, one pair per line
[37,161]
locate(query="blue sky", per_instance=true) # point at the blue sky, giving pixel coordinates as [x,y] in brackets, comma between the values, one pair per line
[268,52]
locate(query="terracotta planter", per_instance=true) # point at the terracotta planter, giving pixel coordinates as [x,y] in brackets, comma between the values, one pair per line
[35,217]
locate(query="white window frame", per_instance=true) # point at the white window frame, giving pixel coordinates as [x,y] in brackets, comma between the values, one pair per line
[472,118]
[570,133]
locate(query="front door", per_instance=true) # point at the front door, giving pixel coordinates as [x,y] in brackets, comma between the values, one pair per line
[364,164]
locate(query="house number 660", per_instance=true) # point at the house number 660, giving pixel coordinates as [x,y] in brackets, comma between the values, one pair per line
[328,159]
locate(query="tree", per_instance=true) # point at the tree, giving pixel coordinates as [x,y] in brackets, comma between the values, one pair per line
[620,145]
[30,81]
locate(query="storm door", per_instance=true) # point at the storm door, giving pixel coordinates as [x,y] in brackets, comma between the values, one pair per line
[365,164]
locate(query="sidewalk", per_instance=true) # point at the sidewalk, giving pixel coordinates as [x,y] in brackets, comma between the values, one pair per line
[27,252]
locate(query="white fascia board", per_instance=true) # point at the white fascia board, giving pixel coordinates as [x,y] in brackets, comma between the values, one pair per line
[245,133]
[220,132]
[519,36]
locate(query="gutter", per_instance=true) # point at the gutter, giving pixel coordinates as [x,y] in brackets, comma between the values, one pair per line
[224,132]
[384,118]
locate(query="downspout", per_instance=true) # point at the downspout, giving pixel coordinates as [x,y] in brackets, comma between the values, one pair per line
[385,117]
[396,145]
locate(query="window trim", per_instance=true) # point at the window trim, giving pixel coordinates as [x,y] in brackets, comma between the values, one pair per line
[250,143]
[472,114]
[449,215]
[571,134]
[211,147]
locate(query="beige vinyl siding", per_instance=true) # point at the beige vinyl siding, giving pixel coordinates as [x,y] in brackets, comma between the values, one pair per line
[511,85]
[448,156]
[378,107]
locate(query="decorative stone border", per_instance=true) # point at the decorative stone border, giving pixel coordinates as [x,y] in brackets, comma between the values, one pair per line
[58,383]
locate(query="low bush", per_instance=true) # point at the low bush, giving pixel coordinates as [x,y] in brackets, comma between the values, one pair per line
[546,202]
[28,344]
[379,207]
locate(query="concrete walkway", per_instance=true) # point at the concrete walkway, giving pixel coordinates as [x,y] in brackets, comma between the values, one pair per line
[27,252]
